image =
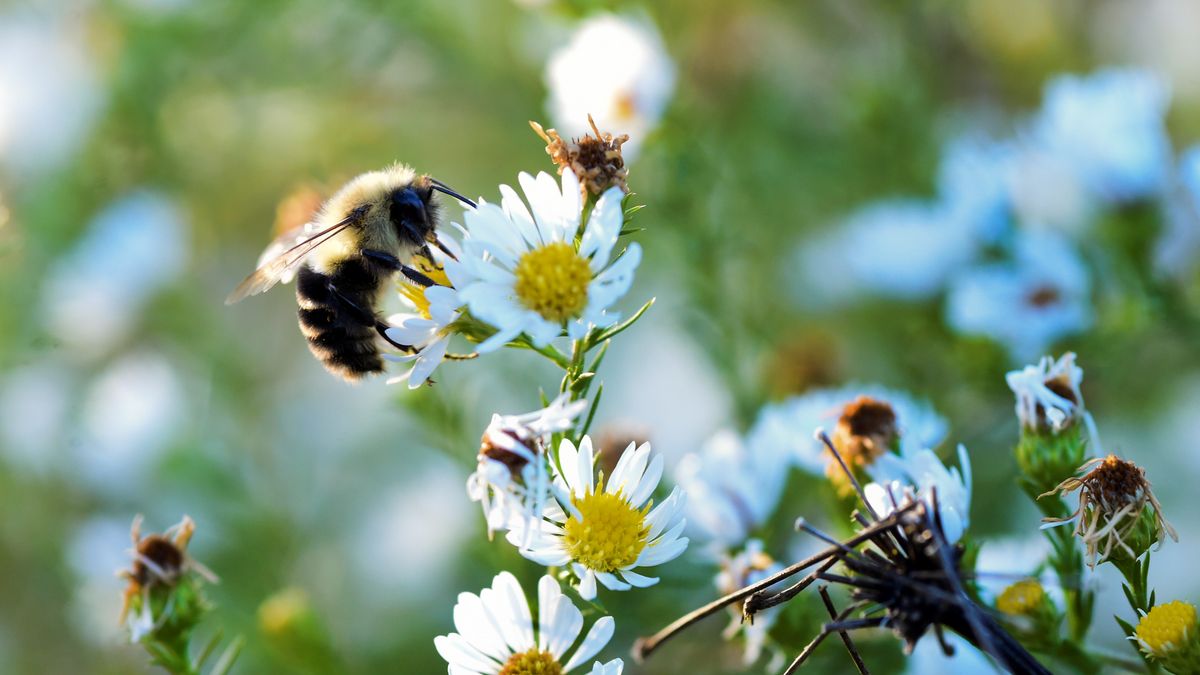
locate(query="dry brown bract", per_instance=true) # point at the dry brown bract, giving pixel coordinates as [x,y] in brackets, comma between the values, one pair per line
[159,559]
[596,160]
[1112,494]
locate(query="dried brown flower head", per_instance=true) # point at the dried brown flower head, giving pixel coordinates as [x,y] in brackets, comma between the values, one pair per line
[1113,493]
[612,441]
[507,446]
[159,560]
[596,160]
[866,429]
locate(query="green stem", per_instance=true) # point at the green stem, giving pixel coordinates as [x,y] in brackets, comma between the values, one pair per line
[1067,562]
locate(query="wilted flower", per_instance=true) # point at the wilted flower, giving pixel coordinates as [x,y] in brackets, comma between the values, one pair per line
[1118,514]
[496,634]
[616,69]
[1026,305]
[511,480]
[748,566]
[159,591]
[1047,393]
[731,489]
[595,160]
[1110,127]
[603,529]
[1167,634]
[921,475]
[427,328]
[868,421]
[524,273]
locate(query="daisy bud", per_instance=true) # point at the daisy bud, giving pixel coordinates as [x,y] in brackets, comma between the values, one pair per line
[596,160]
[1027,599]
[865,431]
[1167,634]
[1118,518]
[1053,419]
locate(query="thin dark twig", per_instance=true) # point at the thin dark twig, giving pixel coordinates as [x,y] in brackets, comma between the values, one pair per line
[832,627]
[645,646]
[850,648]
[764,600]
[824,438]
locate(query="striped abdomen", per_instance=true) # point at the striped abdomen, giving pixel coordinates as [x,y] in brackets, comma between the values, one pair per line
[340,325]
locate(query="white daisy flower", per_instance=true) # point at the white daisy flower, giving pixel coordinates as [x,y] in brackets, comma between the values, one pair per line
[1048,393]
[922,475]
[786,428]
[604,529]
[511,480]
[1026,305]
[1110,126]
[732,490]
[527,273]
[615,69]
[496,633]
[749,566]
[427,327]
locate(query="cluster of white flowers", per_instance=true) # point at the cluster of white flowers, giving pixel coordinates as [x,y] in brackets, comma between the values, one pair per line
[1098,142]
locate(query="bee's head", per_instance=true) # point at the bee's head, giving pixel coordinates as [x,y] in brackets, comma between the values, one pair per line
[414,213]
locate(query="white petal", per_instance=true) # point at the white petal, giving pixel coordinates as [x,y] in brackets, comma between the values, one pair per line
[599,635]
[587,581]
[603,228]
[568,461]
[645,487]
[587,471]
[638,580]
[611,582]
[506,602]
[476,627]
[458,652]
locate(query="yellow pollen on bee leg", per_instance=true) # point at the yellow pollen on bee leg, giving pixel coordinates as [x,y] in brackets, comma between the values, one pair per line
[553,281]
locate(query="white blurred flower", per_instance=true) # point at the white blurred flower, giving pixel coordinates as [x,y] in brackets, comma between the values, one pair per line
[615,69]
[49,90]
[1004,560]
[95,551]
[786,428]
[973,184]
[928,658]
[731,489]
[523,273]
[131,249]
[1176,250]
[922,476]
[1047,193]
[35,401]
[386,563]
[131,412]
[426,327]
[603,530]
[1028,304]
[749,566]
[1110,127]
[899,248]
[511,480]
[1048,392]
[496,633]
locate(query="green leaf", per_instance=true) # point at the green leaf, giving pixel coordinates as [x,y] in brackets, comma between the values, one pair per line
[587,424]
[617,329]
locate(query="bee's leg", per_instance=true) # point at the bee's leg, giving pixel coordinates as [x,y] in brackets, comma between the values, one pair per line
[393,264]
[366,317]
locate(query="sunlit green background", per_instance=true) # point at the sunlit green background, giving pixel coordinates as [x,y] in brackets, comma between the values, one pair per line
[785,116]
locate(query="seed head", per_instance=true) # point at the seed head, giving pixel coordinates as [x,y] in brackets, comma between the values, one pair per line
[596,160]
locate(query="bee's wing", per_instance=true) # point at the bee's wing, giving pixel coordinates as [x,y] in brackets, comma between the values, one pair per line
[278,262]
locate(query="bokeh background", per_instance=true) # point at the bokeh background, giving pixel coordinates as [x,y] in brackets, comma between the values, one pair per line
[148,148]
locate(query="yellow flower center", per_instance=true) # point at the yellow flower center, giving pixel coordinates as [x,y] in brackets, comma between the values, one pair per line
[1021,598]
[415,293]
[553,281]
[1166,628]
[609,535]
[532,662]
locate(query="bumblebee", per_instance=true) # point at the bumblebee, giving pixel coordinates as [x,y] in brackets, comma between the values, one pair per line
[369,231]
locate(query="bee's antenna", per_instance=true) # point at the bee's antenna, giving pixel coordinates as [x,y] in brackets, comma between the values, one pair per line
[442,187]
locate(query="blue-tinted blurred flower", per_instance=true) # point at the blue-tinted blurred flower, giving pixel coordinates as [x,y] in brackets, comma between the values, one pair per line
[1026,304]
[974,184]
[731,489]
[900,248]
[1047,192]
[35,401]
[786,428]
[1177,247]
[51,91]
[1110,127]
[748,566]
[131,249]
[615,69]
